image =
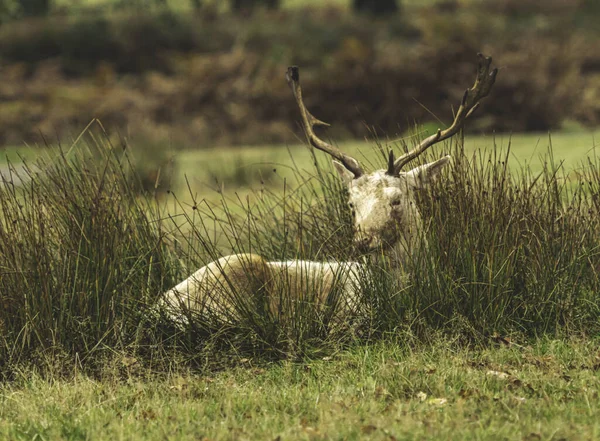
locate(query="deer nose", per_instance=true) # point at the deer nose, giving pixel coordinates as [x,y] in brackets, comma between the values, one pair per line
[363,244]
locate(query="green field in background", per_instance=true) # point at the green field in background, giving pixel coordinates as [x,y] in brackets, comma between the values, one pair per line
[204,170]
[201,166]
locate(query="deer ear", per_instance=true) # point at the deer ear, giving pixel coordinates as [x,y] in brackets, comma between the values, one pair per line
[424,175]
[346,175]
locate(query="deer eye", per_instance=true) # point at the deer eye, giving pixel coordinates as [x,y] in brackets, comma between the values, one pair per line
[395,202]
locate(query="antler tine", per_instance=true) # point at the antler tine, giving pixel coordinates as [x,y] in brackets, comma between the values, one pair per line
[309,121]
[390,170]
[470,102]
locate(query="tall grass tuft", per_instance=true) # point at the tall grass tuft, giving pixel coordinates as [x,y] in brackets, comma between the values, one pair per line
[81,254]
[510,251]
[84,258]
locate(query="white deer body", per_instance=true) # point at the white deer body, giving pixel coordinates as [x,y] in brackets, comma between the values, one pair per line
[386,220]
[249,281]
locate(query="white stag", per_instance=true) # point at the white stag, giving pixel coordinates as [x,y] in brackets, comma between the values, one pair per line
[386,219]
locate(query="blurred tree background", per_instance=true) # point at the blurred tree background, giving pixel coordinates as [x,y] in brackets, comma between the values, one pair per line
[204,72]
[13,9]
[376,7]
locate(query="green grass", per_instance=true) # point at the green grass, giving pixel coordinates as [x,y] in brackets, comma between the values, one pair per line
[507,251]
[202,166]
[16,154]
[210,169]
[237,173]
[379,392]
[82,357]
[571,147]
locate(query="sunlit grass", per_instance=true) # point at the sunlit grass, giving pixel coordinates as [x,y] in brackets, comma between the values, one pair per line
[239,173]
[463,348]
[379,392]
[276,163]
[17,154]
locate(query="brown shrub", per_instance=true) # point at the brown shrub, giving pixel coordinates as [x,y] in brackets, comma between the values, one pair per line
[359,75]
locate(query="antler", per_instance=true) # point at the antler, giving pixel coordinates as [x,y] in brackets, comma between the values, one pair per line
[470,102]
[293,78]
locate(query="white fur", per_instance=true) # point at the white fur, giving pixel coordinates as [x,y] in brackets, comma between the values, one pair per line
[190,296]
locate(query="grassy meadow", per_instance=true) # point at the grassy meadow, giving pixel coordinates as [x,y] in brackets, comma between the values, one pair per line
[493,336]
[237,167]
[243,166]
[381,392]
[237,173]
[494,331]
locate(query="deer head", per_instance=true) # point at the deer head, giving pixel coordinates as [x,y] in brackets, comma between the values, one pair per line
[383,202]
